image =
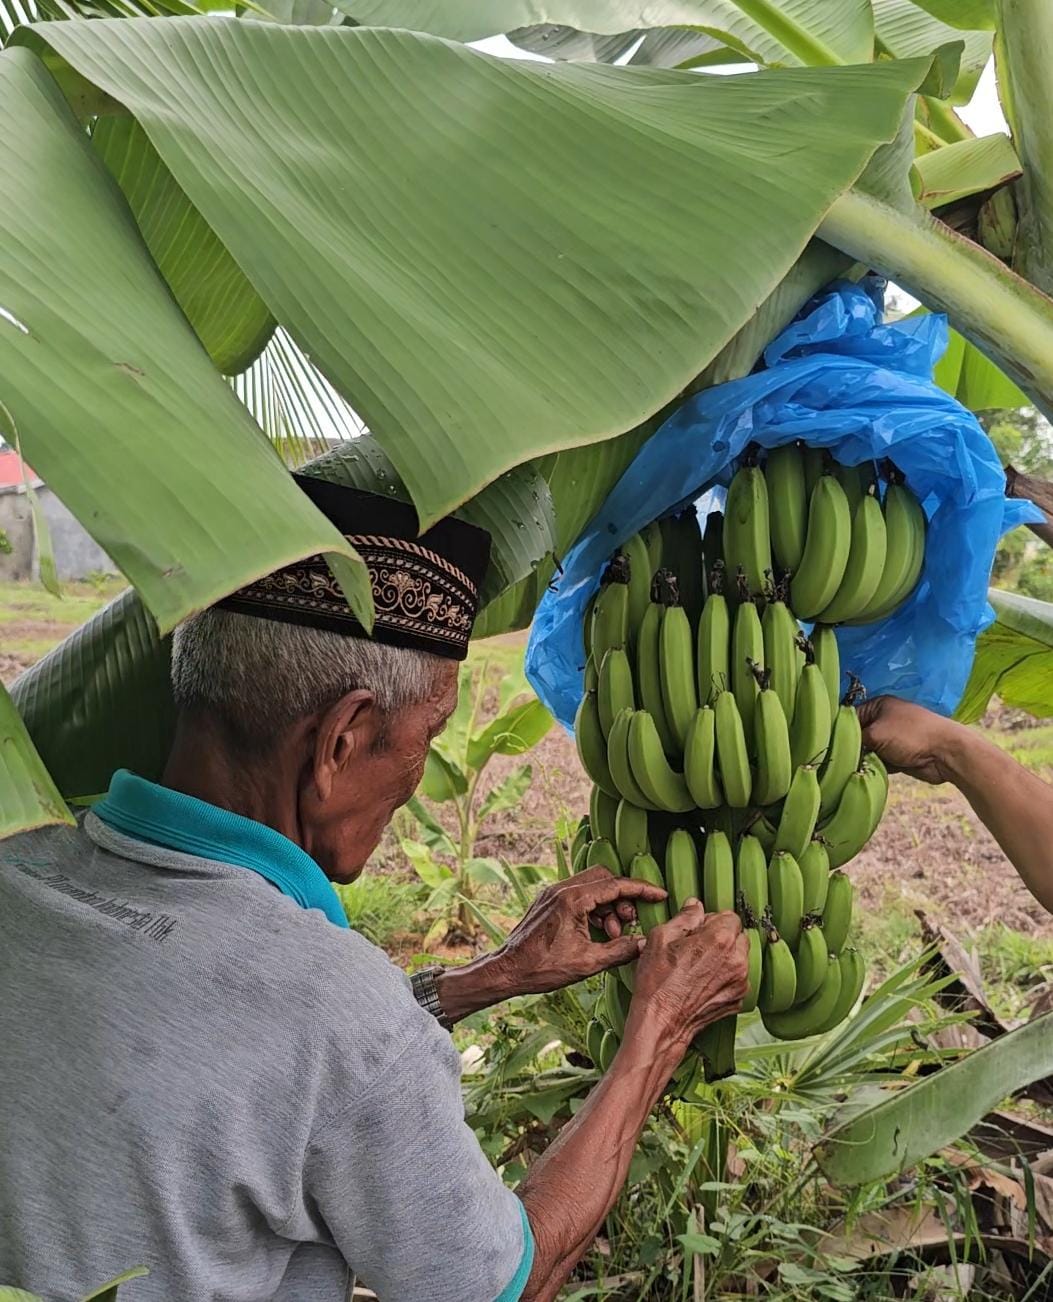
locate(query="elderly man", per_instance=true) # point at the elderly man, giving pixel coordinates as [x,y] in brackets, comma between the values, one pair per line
[206,1071]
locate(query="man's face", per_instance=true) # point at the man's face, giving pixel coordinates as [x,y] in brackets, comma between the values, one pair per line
[383,771]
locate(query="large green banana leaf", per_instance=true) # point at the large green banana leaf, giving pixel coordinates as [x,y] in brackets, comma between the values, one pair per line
[227,314]
[907,1126]
[1014,659]
[112,398]
[486,321]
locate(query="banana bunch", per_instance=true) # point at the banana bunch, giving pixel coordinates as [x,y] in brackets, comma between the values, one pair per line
[727,760]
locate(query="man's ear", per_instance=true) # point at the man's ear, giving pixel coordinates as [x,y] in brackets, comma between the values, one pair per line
[346,730]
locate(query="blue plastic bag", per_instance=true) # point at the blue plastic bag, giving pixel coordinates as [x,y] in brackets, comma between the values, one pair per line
[839,378]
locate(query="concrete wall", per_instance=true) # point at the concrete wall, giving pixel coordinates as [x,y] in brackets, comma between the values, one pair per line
[17,524]
[76,552]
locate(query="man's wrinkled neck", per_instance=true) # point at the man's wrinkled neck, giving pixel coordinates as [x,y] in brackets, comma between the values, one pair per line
[202,764]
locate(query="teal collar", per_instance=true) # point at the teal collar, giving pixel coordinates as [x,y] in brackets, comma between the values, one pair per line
[161,816]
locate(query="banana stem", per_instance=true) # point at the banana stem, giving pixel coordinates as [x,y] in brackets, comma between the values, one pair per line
[943,121]
[798,40]
[1026,49]
[1007,318]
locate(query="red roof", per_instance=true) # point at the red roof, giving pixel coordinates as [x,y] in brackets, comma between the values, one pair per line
[11,467]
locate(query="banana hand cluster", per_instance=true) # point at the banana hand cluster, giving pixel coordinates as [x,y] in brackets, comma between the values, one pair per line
[726,756]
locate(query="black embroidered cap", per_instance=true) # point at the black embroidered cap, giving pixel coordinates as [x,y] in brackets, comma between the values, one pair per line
[425,588]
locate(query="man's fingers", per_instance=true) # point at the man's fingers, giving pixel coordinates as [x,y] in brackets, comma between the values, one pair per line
[599,892]
[625,911]
[613,953]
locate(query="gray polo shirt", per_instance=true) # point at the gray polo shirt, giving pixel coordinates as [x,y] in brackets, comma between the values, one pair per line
[201,1075]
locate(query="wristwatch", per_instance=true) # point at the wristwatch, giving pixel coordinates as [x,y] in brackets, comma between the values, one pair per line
[426,993]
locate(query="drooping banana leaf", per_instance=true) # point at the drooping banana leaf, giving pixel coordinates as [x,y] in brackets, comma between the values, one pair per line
[903,29]
[908,1125]
[227,314]
[111,396]
[28,795]
[450,322]
[1014,659]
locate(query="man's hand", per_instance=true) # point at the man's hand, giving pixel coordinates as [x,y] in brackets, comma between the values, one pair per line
[908,738]
[694,970]
[552,948]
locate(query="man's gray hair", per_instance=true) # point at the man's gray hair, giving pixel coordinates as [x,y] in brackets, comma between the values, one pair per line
[257,676]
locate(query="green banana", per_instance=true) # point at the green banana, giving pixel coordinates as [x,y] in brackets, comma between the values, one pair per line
[778,987]
[662,785]
[681,869]
[640,572]
[847,830]
[601,852]
[756,962]
[781,632]
[786,893]
[815,464]
[828,658]
[592,746]
[815,870]
[731,752]
[877,776]
[627,975]
[700,758]
[602,809]
[800,812]
[618,762]
[713,661]
[747,654]
[648,673]
[713,544]
[676,665]
[747,534]
[785,475]
[751,879]
[904,554]
[616,1000]
[586,627]
[716,1045]
[826,549]
[853,974]
[764,830]
[837,912]
[593,1039]
[581,859]
[855,480]
[652,537]
[682,553]
[813,959]
[718,874]
[650,913]
[808,1017]
[842,759]
[615,689]
[772,738]
[592,675]
[608,1048]
[582,836]
[866,563]
[630,831]
[810,730]
[610,614]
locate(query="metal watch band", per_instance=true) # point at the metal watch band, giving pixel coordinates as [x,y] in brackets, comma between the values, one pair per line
[426,993]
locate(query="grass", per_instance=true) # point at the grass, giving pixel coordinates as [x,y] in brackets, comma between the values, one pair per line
[33,620]
[379,906]
[1032,747]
